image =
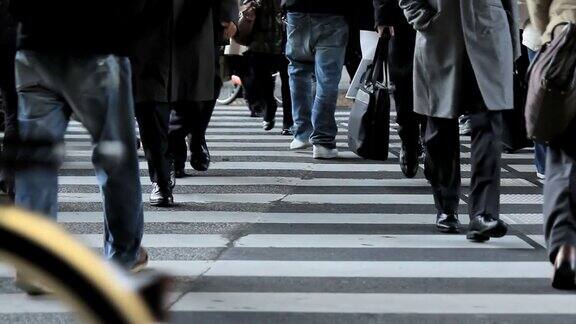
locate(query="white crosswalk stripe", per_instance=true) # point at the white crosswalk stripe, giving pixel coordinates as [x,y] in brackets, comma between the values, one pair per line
[269,232]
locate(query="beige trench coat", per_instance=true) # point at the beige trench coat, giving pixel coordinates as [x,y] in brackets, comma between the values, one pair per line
[547,14]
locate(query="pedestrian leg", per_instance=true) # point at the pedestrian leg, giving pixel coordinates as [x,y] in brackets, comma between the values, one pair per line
[100,92]
[153,120]
[329,58]
[442,167]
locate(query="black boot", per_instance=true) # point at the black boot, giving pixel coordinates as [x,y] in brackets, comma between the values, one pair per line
[447,223]
[161,196]
[200,156]
[408,161]
[484,227]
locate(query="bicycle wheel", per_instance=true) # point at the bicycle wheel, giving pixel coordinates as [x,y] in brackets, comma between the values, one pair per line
[228,93]
[40,249]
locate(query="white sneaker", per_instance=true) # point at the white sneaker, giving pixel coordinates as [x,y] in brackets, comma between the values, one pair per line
[322,152]
[540,176]
[299,145]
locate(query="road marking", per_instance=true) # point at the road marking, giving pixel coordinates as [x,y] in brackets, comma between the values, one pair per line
[289,181]
[286,218]
[378,303]
[355,269]
[347,241]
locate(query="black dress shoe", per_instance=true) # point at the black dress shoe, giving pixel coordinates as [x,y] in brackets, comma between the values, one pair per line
[268,125]
[408,162]
[484,227]
[287,132]
[161,196]
[565,268]
[180,173]
[447,223]
[200,157]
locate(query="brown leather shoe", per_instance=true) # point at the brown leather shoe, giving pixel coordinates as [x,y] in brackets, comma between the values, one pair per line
[565,268]
[142,261]
[30,286]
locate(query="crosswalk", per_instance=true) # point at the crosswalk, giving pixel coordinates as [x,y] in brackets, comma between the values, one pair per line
[270,235]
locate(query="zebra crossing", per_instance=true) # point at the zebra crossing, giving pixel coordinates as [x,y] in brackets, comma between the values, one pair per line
[270,235]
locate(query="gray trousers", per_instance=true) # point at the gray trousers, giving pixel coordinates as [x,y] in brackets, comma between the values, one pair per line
[98,90]
[560,193]
[443,163]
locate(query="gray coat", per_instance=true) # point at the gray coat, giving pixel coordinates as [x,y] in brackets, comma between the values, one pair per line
[448,30]
[176,60]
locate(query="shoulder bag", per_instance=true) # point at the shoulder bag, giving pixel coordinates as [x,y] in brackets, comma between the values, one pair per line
[551,102]
[369,122]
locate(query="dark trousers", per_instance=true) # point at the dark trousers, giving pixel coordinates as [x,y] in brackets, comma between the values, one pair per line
[264,65]
[188,118]
[443,163]
[401,56]
[9,106]
[353,52]
[560,193]
[153,120]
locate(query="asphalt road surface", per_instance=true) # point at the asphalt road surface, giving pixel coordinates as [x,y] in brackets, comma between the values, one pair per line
[273,236]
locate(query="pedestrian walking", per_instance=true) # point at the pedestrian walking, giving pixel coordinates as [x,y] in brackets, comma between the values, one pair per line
[73,58]
[195,75]
[266,57]
[175,88]
[548,18]
[316,45]
[388,15]
[464,60]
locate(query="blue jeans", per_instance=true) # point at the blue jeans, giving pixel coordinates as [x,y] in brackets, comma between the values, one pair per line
[98,90]
[316,45]
[539,149]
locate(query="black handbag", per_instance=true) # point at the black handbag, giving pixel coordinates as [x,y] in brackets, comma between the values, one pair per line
[369,122]
[514,134]
[551,103]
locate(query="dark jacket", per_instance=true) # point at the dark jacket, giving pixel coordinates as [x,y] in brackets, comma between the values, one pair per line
[79,27]
[176,60]
[7,25]
[268,33]
[388,13]
[335,7]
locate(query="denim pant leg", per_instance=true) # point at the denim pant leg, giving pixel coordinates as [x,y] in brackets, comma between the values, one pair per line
[331,34]
[42,117]
[300,69]
[540,157]
[100,91]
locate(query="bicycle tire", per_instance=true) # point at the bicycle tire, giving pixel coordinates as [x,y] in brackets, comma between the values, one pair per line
[78,277]
[231,98]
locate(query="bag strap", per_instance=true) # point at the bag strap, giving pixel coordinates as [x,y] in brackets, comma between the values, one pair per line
[380,62]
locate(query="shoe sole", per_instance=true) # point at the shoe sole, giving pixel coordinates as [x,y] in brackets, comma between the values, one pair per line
[496,232]
[162,203]
[140,267]
[448,230]
[325,157]
[305,147]
[477,237]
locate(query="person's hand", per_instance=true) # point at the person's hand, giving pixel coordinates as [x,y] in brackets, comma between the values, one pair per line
[230,29]
[382,29]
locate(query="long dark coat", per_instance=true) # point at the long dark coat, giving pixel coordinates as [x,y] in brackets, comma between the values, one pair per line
[484,30]
[176,60]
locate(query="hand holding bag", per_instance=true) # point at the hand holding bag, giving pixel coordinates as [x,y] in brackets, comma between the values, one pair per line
[246,22]
[551,102]
[369,122]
